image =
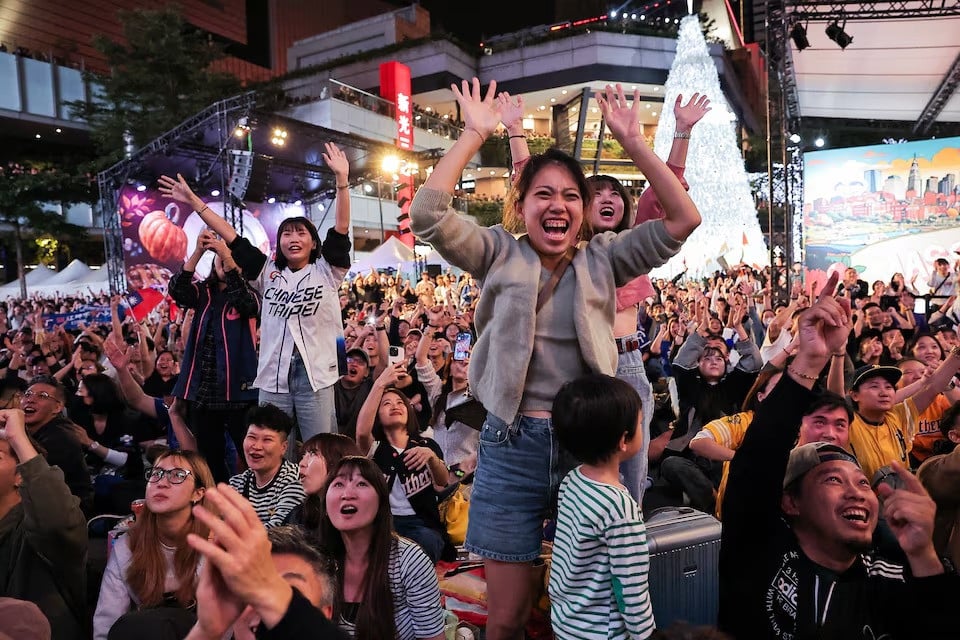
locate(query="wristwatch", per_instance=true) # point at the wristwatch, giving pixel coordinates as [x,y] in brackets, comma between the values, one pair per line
[93,446]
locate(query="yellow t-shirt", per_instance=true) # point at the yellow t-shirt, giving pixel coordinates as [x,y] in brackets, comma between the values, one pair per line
[727,431]
[928,428]
[876,445]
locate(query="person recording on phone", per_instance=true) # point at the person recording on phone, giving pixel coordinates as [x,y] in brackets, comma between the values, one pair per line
[797,555]
[220,357]
[457,415]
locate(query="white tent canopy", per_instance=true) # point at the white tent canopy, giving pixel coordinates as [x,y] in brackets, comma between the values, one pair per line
[389,254]
[76,271]
[75,279]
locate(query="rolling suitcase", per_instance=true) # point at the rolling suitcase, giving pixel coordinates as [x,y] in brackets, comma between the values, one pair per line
[684,553]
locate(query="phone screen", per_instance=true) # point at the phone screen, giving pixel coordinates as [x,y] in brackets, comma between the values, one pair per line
[920,305]
[461,351]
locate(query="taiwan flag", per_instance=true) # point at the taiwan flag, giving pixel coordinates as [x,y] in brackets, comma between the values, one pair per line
[144,301]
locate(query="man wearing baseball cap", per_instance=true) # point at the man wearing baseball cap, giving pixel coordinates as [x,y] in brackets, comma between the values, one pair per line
[883,428]
[797,558]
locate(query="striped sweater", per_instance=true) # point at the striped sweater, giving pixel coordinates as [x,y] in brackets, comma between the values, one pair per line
[598,581]
[275,500]
[417,608]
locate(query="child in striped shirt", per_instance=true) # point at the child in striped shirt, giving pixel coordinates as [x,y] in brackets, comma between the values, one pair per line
[598,580]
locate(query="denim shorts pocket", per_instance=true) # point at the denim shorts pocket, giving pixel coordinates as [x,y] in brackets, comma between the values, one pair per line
[494,433]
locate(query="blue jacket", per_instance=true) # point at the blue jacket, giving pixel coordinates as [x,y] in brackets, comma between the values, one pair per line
[231,314]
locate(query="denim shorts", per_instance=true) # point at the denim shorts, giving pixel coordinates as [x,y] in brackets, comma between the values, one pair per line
[519,469]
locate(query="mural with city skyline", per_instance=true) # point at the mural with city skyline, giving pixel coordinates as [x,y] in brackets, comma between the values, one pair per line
[882,209]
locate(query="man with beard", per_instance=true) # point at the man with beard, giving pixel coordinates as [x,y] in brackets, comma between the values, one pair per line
[351,390]
[797,558]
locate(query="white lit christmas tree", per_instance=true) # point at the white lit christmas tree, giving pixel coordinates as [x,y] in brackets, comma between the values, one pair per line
[715,171]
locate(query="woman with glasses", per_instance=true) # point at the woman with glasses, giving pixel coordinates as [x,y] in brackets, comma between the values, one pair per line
[152,566]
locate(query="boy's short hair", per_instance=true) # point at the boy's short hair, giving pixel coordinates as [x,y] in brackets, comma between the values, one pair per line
[592,413]
[270,416]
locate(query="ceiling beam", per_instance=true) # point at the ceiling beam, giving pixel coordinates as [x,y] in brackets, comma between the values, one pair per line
[891,10]
[939,99]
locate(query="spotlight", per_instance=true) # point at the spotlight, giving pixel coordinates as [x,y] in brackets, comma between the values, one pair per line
[613,14]
[279,137]
[59,130]
[795,138]
[836,33]
[271,200]
[297,203]
[819,142]
[215,193]
[368,188]
[799,35]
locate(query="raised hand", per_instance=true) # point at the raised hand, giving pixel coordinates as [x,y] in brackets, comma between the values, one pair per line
[177,189]
[209,241]
[336,159]
[511,110]
[480,113]
[910,512]
[690,113]
[621,118]
[824,327]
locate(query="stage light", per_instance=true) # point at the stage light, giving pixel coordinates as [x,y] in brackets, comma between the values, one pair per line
[215,193]
[795,138]
[368,188]
[271,200]
[836,33]
[613,14]
[799,36]
[390,164]
[37,136]
[279,137]
[141,188]
[298,203]
[239,132]
[819,142]
[59,130]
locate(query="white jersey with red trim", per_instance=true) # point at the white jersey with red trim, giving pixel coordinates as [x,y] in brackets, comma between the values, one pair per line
[301,310]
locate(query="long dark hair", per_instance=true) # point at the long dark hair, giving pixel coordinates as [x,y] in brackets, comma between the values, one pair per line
[292,223]
[375,615]
[413,425]
[103,393]
[332,447]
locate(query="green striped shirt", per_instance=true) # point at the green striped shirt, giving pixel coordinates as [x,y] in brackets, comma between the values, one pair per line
[598,580]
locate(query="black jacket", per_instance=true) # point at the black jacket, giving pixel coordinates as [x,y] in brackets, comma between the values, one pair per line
[770,589]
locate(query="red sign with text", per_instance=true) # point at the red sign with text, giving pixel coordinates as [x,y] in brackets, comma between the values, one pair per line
[395,86]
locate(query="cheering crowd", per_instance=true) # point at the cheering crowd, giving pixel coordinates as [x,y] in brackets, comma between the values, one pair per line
[302,451]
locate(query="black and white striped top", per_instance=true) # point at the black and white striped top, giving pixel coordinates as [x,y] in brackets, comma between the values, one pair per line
[417,610]
[274,501]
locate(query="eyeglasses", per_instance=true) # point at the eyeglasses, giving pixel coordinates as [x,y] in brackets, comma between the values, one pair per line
[174,476]
[30,393]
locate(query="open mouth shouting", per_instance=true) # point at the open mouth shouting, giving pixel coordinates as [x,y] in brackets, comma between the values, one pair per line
[859,517]
[555,229]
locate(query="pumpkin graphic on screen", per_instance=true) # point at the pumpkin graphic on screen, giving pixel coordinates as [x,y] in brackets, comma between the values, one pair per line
[161,238]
